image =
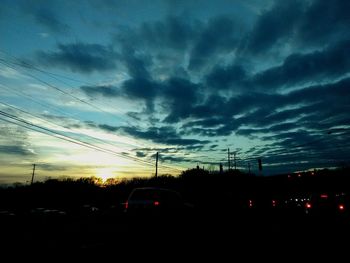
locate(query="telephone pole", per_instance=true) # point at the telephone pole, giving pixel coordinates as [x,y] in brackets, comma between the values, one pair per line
[260,166]
[234,160]
[156,164]
[33,174]
[228,159]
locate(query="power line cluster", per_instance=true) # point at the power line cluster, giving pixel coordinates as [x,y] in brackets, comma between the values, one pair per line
[10,118]
[42,129]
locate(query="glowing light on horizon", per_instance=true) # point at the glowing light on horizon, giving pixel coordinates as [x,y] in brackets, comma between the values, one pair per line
[105,173]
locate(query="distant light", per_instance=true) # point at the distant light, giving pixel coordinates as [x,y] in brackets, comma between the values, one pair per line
[289,176]
[156,203]
[324,196]
[299,175]
[273,202]
[126,205]
[308,205]
[341,207]
[312,173]
[250,203]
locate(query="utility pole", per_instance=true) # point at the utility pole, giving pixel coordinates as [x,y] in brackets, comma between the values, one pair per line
[33,174]
[234,160]
[156,164]
[260,166]
[228,159]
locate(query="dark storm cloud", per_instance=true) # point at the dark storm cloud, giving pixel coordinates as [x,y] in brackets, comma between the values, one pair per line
[214,106]
[108,128]
[136,64]
[223,77]
[50,20]
[297,68]
[171,150]
[14,150]
[272,129]
[324,22]
[134,88]
[218,36]
[216,115]
[207,122]
[180,96]
[315,97]
[140,154]
[141,88]
[173,159]
[273,25]
[336,93]
[164,135]
[263,114]
[46,14]
[80,57]
[170,33]
[309,146]
[305,23]
[107,91]
[177,36]
[177,96]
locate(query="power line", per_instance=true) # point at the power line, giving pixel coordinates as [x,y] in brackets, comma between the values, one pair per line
[71,116]
[167,167]
[31,66]
[54,76]
[46,105]
[51,122]
[83,144]
[60,90]
[55,134]
[27,65]
[2,61]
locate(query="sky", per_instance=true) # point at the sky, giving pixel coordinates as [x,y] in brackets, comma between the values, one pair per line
[97,88]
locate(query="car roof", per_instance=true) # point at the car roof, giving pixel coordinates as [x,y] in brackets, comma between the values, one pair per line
[147,192]
[153,189]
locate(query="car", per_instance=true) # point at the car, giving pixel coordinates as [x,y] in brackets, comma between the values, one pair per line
[154,200]
[327,204]
[154,210]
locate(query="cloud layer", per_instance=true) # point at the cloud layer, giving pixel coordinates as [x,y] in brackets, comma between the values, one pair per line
[279,78]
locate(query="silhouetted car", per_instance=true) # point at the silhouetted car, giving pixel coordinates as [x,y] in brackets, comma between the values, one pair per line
[153,200]
[327,204]
[263,203]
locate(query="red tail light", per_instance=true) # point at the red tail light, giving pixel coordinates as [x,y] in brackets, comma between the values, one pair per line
[308,205]
[126,205]
[341,207]
[324,196]
[156,203]
[250,203]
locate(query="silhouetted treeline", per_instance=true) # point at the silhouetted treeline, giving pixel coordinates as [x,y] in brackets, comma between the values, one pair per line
[197,186]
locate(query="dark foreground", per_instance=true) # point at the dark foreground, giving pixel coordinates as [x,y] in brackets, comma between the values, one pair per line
[250,235]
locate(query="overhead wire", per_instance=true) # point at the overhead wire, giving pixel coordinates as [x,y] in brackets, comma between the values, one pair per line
[6,63]
[41,129]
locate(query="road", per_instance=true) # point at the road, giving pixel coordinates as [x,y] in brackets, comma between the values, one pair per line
[197,234]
